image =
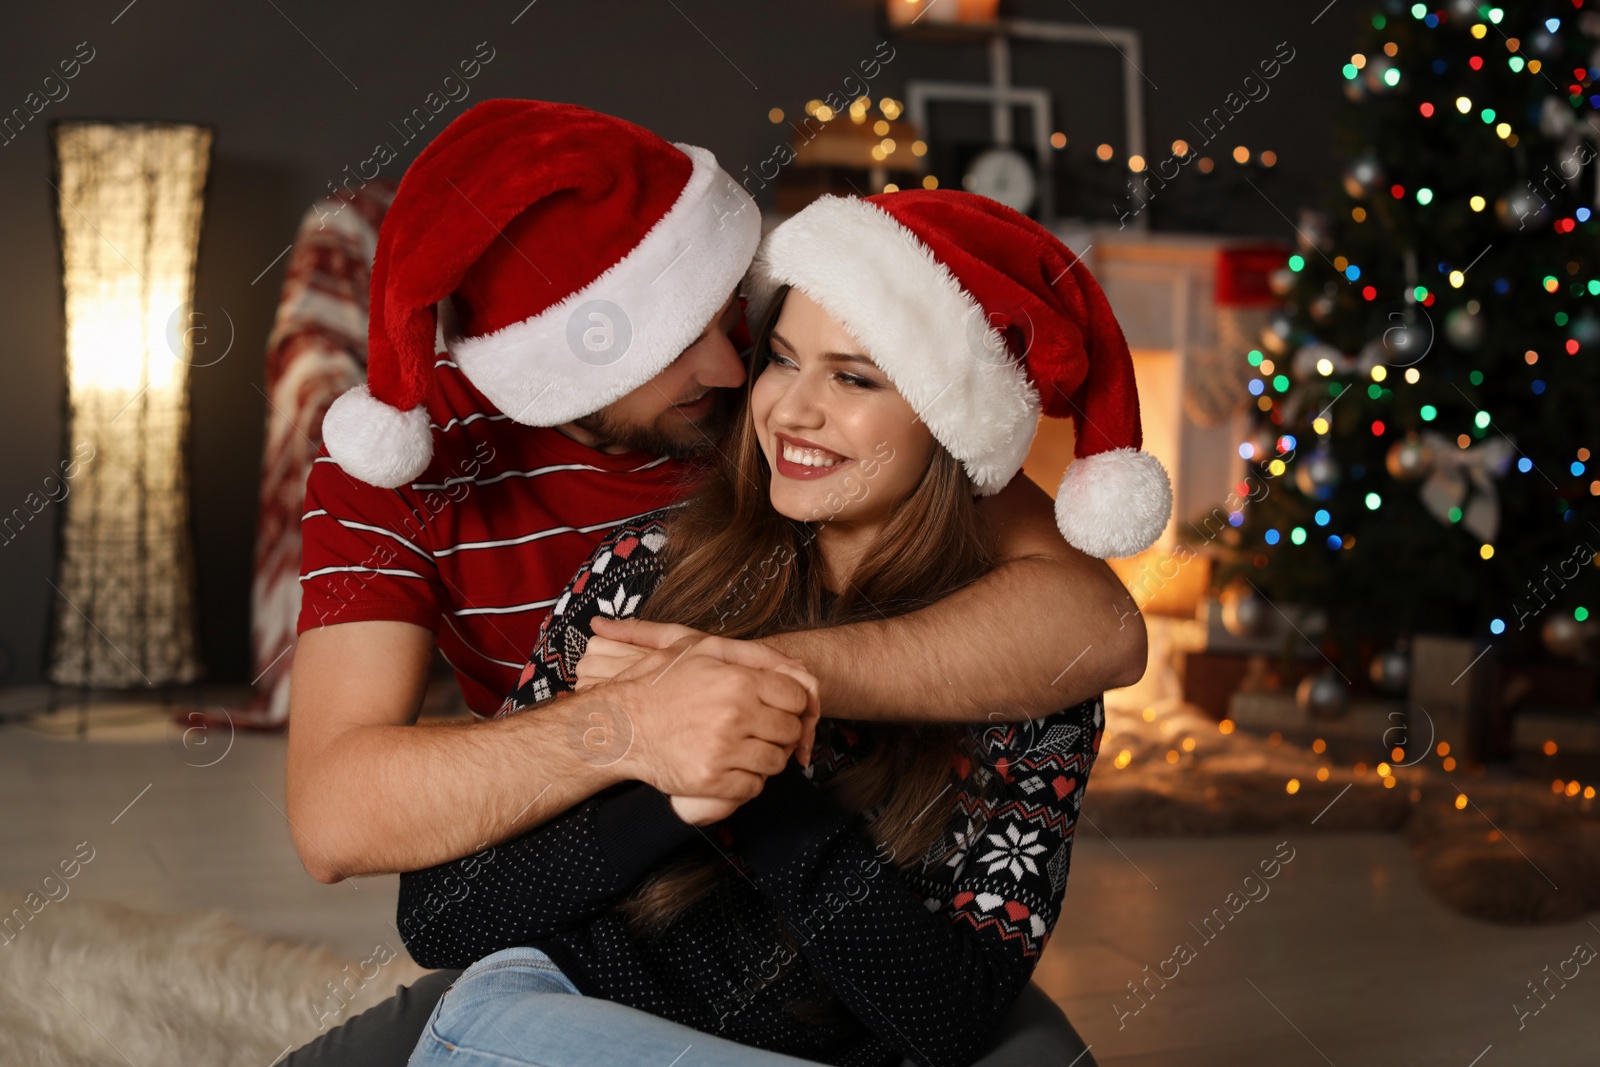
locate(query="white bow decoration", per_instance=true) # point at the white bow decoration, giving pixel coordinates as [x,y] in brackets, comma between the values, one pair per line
[1448,482]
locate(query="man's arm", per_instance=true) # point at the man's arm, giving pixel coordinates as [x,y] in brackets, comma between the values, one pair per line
[1048,628]
[370,791]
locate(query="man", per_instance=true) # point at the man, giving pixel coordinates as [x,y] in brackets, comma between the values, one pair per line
[591,337]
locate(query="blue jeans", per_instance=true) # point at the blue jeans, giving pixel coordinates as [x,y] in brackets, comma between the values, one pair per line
[1034,1034]
[516,1007]
[497,1012]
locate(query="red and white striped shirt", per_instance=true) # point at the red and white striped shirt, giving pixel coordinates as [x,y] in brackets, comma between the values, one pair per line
[482,544]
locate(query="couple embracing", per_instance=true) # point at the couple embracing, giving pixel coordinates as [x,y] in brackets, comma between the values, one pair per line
[787,685]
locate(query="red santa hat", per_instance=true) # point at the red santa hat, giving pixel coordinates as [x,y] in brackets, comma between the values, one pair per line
[983,320]
[583,252]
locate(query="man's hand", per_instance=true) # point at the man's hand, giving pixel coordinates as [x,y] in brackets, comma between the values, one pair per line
[605,660]
[627,649]
[703,811]
[708,720]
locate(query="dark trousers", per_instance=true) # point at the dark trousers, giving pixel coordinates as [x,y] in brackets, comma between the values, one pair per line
[1035,1033]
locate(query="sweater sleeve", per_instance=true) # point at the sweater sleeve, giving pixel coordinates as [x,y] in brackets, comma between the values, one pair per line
[561,874]
[932,977]
[574,867]
[615,581]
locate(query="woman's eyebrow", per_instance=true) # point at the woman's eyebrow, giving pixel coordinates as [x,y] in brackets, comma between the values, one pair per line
[837,357]
[849,357]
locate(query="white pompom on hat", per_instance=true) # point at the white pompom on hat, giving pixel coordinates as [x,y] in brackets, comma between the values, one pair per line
[582,255]
[983,320]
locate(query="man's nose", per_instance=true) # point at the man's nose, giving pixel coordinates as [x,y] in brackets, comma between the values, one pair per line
[721,368]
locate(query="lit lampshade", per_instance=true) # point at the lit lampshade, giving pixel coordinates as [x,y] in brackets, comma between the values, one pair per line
[129,207]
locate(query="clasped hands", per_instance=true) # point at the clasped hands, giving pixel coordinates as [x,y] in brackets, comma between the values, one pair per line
[710,718]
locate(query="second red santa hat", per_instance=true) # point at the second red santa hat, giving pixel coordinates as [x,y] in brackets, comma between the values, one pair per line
[582,254]
[983,319]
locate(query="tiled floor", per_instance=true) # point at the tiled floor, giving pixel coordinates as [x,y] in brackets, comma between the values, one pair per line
[1345,962]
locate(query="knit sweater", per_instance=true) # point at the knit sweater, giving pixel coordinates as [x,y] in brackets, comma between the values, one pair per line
[927,961]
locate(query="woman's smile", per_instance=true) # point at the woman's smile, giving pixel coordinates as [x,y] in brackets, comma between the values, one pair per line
[802,459]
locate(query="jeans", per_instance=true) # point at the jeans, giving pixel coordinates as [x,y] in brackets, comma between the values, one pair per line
[1034,1033]
[500,1012]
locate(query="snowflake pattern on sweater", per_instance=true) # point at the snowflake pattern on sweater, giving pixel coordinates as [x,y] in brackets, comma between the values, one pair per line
[927,960]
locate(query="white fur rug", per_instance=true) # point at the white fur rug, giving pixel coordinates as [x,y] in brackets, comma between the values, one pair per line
[89,984]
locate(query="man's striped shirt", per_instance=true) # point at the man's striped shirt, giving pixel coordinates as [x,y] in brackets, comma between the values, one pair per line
[479,547]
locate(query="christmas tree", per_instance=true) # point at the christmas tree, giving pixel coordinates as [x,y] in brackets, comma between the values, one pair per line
[1428,401]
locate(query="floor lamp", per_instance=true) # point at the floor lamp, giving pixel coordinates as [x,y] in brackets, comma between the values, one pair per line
[129,201]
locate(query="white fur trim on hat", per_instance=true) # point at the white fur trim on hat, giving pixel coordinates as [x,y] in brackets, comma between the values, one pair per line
[922,329]
[379,444]
[1114,503]
[623,328]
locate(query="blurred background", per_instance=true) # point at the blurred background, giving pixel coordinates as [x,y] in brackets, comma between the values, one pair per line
[298,116]
[1353,248]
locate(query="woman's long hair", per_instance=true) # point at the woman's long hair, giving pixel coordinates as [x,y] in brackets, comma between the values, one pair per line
[736,567]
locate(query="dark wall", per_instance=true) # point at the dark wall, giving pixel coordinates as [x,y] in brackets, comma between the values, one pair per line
[298,90]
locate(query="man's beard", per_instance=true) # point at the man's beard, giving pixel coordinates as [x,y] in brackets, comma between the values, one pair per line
[692,440]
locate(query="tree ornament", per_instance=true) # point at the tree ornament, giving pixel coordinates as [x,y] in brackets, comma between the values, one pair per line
[1244,612]
[1542,43]
[1275,335]
[1409,459]
[1521,208]
[1317,476]
[1564,636]
[1586,329]
[1390,671]
[1465,326]
[1362,176]
[1314,232]
[1323,695]
[1556,119]
[1375,74]
[1404,337]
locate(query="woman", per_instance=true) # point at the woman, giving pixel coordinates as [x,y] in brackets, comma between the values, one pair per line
[890,900]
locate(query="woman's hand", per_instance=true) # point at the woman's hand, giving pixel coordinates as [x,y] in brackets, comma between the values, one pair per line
[605,659]
[703,811]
